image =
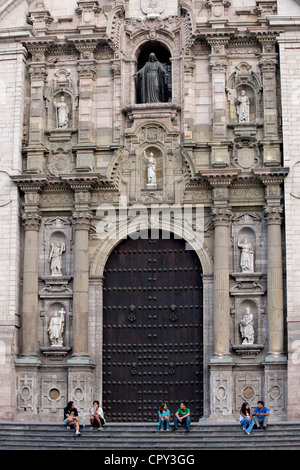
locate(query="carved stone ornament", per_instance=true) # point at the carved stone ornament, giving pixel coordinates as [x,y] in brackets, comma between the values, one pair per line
[152,8]
[60,162]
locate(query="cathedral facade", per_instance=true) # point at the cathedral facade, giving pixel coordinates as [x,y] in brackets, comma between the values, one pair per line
[149,207]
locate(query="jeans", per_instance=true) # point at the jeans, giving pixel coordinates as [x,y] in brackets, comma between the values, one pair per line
[163,423]
[247,422]
[185,421]
[263,421]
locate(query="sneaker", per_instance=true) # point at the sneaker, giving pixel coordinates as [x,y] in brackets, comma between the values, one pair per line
[77,433]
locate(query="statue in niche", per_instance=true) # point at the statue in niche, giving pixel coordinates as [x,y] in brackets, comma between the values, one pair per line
[56,328]
[151,82]
[151,168]
[55,257]
[62,113]
[246,327]
[243,107]
[247,256]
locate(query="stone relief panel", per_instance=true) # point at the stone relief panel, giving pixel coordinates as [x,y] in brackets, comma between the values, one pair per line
[53,395]
[245,154]
[27,398]
[60,161]
[248,387]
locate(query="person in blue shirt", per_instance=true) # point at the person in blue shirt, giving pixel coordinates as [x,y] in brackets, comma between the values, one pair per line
[164,417]
[260,415]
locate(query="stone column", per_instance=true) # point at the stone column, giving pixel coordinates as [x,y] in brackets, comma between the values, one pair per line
[218,64]
[220,181]
[82,216]
[29,323]
[86,118]
[38,75]
[268,64]
[221,283]
[31,186]
[273,214]
[82,221]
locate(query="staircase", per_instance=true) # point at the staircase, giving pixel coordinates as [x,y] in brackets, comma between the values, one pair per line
[146,436]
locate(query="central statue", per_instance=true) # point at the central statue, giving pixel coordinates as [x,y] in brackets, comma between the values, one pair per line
[151,82]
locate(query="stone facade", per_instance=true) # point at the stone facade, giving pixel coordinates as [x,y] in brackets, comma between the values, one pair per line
[73,142]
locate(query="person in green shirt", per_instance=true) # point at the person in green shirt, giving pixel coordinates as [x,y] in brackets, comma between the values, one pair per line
[182,417]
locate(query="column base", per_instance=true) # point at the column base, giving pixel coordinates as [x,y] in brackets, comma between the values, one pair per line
[275,358]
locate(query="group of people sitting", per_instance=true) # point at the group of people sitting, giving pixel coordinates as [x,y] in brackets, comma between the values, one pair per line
[182,417]
[97,420]
[248,419]
[259,417]
[71,417]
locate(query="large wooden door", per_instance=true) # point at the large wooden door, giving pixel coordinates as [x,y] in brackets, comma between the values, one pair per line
[152,330]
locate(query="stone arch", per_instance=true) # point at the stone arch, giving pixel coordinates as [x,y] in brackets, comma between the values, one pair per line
[106,247]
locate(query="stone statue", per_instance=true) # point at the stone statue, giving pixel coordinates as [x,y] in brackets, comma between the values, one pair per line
[151,82]
[246,327]
[247,256]
[243,107]
[56,327]
[55,257]
[62,113]
[151,169]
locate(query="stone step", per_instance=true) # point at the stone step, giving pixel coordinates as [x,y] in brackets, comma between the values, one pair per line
[146,436]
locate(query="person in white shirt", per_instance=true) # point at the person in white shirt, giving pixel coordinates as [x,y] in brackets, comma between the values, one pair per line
[97,416]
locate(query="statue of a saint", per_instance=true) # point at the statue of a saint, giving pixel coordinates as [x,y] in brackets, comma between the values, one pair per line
[151,82]
[55,257]
[62,113]
[243,107]
[246,327]
[247,256]
[151,168]
[56,327]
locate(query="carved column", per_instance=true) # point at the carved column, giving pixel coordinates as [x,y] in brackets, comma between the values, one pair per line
[220,181]
[82,221]
[273,215]
[221,282]
[218,64]
[31,223]
[268,64]
[38,75]
[87,74]
[31,186]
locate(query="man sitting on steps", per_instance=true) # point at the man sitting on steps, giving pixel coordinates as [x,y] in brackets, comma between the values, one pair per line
[182,417]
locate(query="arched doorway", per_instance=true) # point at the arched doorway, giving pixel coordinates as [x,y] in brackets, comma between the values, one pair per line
[152,329]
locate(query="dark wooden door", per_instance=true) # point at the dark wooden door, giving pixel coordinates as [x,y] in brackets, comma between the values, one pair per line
[152,330]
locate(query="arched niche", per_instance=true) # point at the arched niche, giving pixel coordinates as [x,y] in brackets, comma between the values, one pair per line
[158,156]
[57,259]
[163,56]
